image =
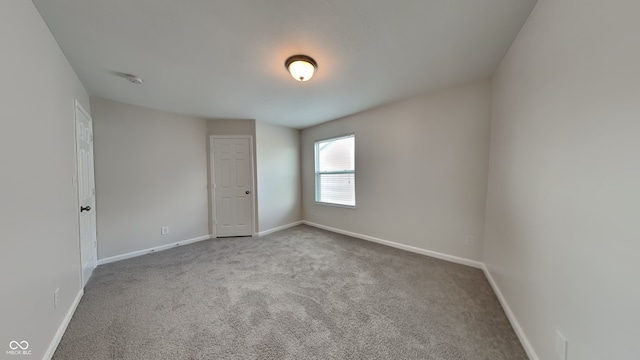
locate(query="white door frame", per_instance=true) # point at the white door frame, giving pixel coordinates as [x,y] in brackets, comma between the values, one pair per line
[77,107]
[212,181]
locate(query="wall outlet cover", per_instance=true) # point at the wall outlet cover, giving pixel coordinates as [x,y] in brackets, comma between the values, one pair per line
[468,240]
[56,298]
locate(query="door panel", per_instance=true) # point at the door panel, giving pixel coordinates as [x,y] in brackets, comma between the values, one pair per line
[86,193]
[232,187]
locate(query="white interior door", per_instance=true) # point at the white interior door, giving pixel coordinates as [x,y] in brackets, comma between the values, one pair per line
[232,186]
[86,193]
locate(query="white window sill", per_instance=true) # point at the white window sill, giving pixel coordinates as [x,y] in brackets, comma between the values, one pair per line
[336,205]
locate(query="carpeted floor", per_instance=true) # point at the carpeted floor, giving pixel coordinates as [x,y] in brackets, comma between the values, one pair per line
[302,293]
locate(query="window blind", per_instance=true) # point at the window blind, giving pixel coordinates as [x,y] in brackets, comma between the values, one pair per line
[335,171]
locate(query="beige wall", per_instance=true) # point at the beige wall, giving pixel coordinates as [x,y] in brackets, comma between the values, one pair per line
[279,185]
[38,202]
[151,171]
[226,127]
[561,231]
[562,234]
[231,127]
[421,168]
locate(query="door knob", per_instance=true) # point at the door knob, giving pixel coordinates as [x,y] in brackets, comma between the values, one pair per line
[85,208]
[247,192]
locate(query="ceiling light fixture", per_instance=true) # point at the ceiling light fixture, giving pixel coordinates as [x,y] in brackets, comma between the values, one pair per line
[301,67]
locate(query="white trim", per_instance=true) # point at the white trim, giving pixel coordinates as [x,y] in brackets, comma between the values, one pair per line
[151,250]
[63,327]
[336,205]
[267,232]
[450,258]
[511,316]
[503,302]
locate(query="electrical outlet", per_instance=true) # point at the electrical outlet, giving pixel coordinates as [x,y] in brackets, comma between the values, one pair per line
[164,230]
[468,240]
[55,298]
[561,346]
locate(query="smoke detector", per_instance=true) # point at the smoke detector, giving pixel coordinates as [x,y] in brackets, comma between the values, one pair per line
[134,79]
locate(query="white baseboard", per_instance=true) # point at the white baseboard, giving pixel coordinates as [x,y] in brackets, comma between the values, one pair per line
[511,316]
[267,232]
[455,259]
[451,258]
[63,327]
[151,250]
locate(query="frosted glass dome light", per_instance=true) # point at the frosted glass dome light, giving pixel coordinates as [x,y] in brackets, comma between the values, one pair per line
[301,67]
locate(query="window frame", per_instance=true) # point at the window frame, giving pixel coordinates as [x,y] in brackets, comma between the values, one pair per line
[317,173]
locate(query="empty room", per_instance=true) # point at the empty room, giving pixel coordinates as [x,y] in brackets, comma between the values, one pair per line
[328,179]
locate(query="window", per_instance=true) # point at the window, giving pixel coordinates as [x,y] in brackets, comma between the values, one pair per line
[336,171]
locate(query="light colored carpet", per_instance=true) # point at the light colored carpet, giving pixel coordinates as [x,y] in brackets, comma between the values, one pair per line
[302,293]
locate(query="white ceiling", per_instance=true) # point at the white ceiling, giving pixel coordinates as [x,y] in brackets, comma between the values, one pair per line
[225,58]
